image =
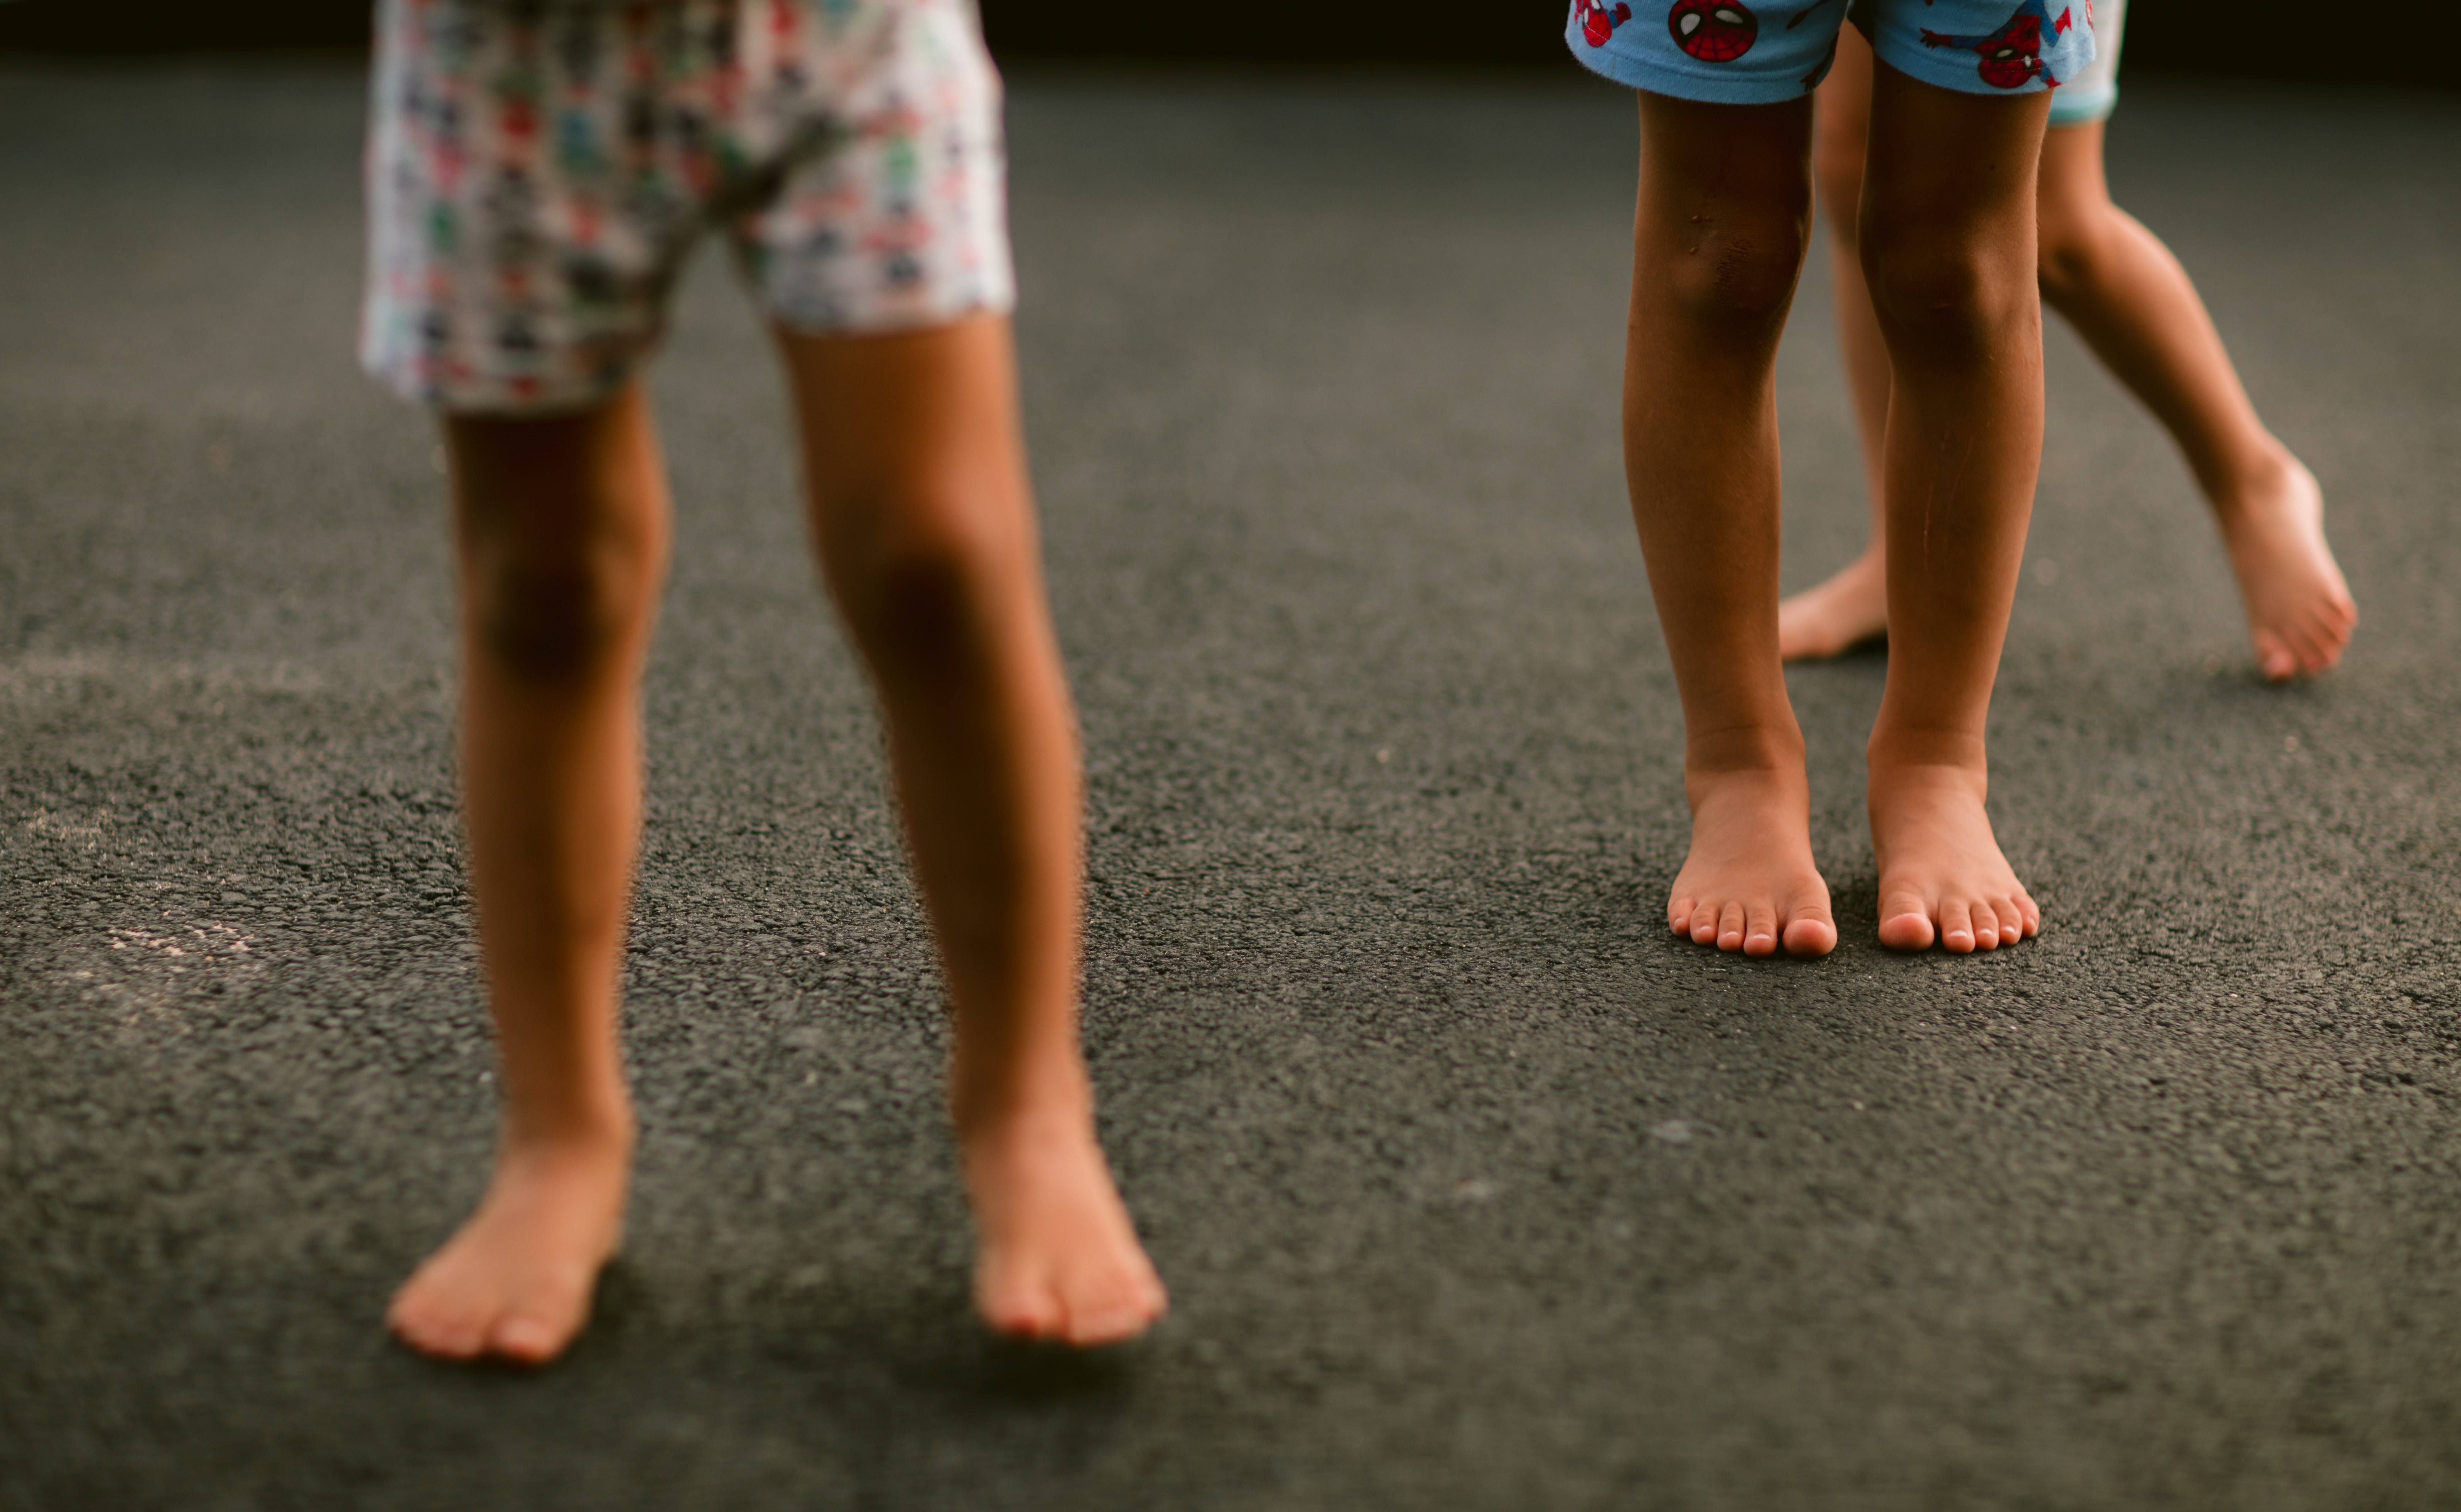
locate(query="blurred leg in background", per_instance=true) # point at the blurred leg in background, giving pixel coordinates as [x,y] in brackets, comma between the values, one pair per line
[2131,301]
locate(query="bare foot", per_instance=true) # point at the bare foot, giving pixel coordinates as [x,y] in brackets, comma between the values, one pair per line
[1749,883]
[1942,877]
[1838,615]
[1058,1258]
[2298,608]
[515,1283]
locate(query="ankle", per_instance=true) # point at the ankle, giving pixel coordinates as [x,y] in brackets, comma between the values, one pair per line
[1050,1095]
[2256,478]
[593,1131]
[1713,759]
[1904,752]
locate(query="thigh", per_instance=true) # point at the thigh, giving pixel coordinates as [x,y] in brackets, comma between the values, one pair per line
[2074,194]
[1845,108]
[576,488]
[1738,162]
[1951,163]
[1725,205]
[908,432]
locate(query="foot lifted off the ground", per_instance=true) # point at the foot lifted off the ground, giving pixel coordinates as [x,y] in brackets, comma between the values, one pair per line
[1835,616]
[2298,608]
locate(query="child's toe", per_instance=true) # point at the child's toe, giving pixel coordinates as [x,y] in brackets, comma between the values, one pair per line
[1760,929]
[1955,928]
[1906,922]
[1811,934]
[1730,926]
[1022,1310]
[527,1340]
[1111,1321]
[2275,660]
[1986,928]
[443,1336]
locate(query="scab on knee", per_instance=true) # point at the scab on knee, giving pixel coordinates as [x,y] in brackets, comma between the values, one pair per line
[1738,267]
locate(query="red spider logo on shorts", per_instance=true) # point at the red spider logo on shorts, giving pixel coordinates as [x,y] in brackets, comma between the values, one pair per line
[1713,31]
[1598,22]
[2012,56]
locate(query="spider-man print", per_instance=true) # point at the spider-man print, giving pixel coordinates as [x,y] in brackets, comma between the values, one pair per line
[2012,56]
[1713,31]
[1597,22]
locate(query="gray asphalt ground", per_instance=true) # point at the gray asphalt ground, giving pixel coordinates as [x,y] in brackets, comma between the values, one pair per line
[1474,1188]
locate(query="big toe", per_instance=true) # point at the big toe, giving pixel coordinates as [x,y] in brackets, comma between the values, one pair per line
[527,1340]
[2275,660]
[1905,925]
[1022,1310]
[436,1328]
[1811,934]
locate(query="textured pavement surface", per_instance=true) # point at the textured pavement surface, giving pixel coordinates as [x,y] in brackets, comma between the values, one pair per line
[1474,1188]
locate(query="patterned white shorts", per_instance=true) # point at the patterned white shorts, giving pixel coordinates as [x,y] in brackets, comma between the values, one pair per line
[539,169]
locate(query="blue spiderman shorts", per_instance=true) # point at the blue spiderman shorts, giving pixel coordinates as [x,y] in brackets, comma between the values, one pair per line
[1765,51]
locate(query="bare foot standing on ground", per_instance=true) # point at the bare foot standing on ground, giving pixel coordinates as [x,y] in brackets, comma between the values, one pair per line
[518,317]
[1720,232]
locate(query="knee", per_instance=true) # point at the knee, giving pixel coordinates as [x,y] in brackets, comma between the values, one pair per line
[2065,257]
[1738,270]
[917,584]
[1940,289]
[556,615]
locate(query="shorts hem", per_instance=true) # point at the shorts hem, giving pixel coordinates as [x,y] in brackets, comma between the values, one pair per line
[1954,69]
[2083,108]
[482,395]
[1679,83]
[891,323]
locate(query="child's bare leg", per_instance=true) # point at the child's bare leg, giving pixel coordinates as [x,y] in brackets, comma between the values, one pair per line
[925,521]
[1852,606]
[2130,299]
[562,526]
[1947,250]
[1718,242]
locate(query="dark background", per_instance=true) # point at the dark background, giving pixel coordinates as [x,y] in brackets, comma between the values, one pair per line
[2240,38]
